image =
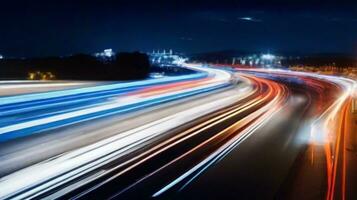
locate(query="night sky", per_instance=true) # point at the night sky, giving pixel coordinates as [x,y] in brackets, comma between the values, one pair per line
[43,28]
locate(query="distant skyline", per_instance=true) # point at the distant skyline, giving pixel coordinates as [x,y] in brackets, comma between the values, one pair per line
[35,28]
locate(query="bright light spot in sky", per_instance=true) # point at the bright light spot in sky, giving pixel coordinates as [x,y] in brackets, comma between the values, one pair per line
[247,18]
[251,19]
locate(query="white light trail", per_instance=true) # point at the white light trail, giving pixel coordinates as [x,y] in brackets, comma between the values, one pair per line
[78,162]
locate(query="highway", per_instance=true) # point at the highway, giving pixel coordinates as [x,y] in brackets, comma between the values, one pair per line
[247,133]
[8,88]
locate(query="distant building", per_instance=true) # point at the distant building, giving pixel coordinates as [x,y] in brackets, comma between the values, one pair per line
[259,60]
[106,54]
[166,58]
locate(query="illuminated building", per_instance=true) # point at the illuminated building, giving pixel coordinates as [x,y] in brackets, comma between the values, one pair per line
[166,58]
[106,54]
[259,60]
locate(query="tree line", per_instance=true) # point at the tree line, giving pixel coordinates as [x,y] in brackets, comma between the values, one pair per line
[123,66]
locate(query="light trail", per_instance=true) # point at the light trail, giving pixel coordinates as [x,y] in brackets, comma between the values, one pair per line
[95,155]
[260,116]
[64,93]
[189,134]
[46,180]
[327,130]
[157,145]
[128,101]
[37,85]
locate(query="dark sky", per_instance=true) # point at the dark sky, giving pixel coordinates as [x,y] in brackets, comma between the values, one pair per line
[42,28]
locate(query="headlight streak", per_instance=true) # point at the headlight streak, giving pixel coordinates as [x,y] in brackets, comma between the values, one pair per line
[54,174]
[140,99]
[176,139]
[121,142]
[32,102]
[40,178]
[36,85]
[14,127]
[181,138]
[259,117]
[32,106]
[53,122]
[327,130]
[63,93]
[169,143]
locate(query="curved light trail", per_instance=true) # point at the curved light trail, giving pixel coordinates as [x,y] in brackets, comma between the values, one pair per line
[173,151]
[170,88]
